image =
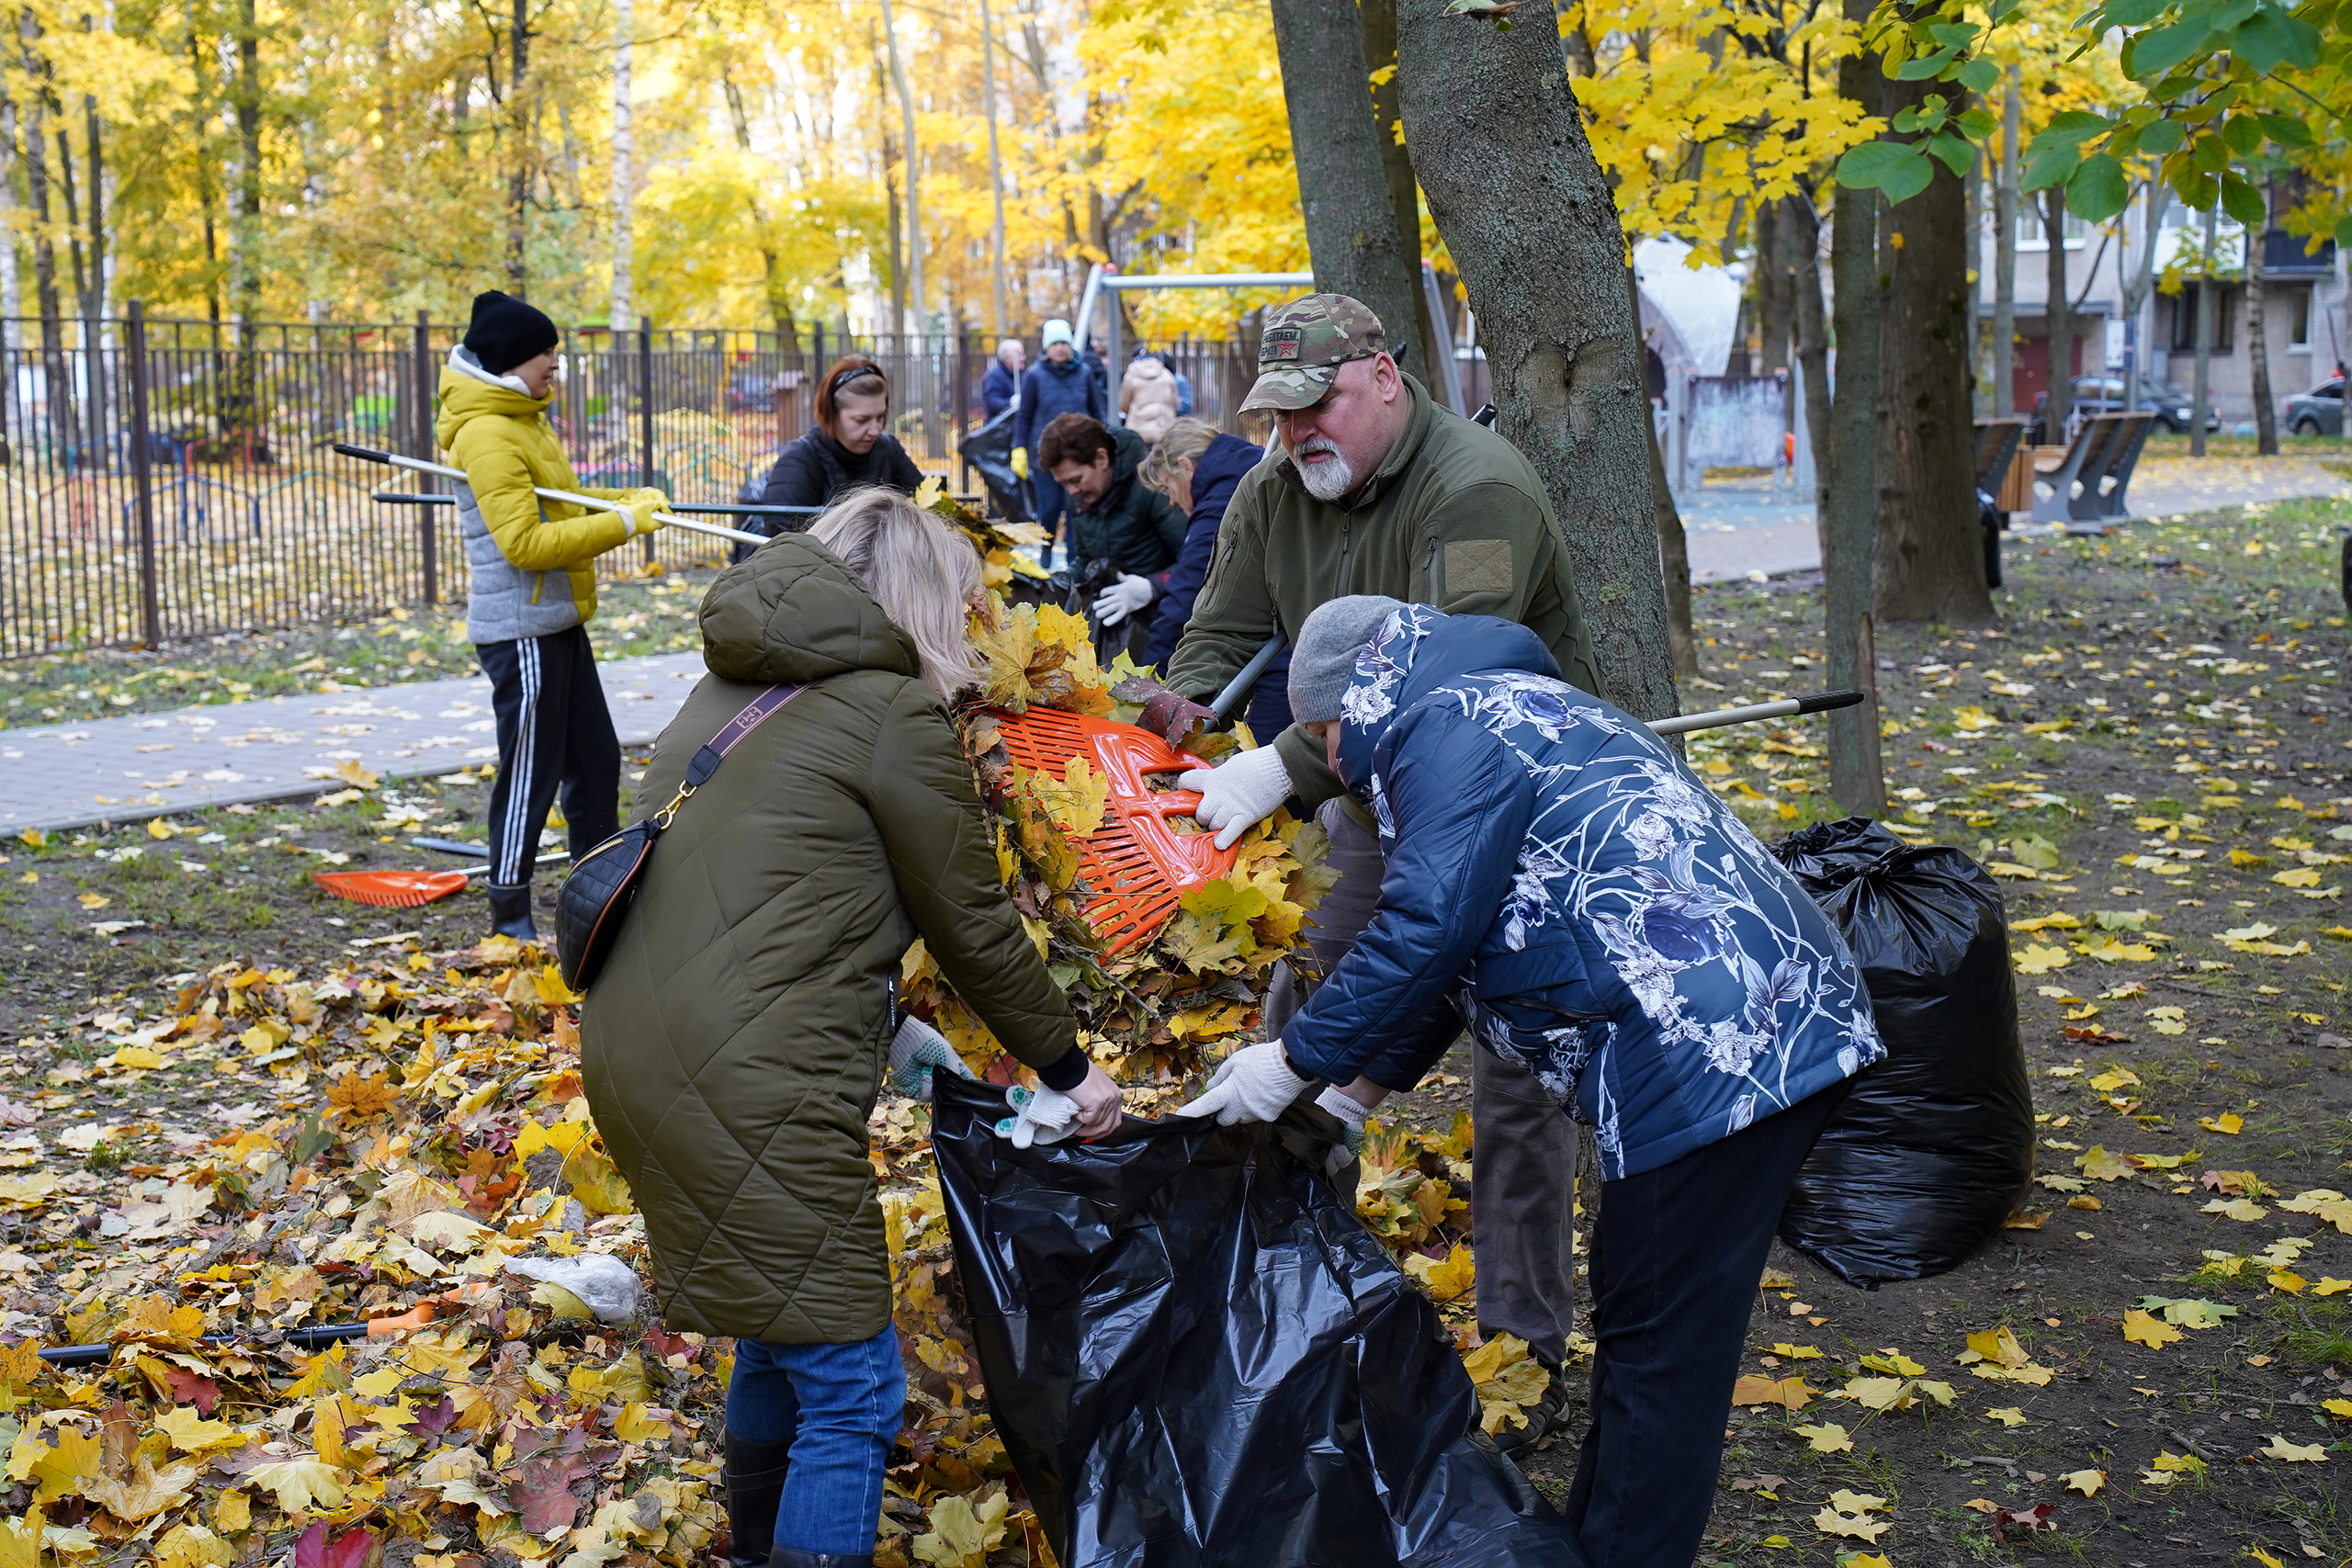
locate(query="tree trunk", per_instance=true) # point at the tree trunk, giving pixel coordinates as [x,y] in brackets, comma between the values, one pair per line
[1928,561]
[1972,252]
[518,177]
[2060,404]
[1775,289]
[57,385]
[2257,340]
[2208,308]
[2005,258]
[1673,544]
[890,193]
[1801,241]
[1851,499]
[1404,191]
[250,228]
[776,288]
[622,314]
[2137,279]
[914,176]
[996,175]
[1499,145]
[1351,231]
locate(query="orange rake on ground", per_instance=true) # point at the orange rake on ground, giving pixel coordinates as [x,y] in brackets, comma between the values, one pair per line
[1137,865]
[406,889]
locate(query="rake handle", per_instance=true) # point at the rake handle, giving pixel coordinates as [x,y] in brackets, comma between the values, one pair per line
[418,465]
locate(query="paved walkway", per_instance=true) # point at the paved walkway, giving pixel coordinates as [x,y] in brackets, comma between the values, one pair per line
[68,775]
[1740,527]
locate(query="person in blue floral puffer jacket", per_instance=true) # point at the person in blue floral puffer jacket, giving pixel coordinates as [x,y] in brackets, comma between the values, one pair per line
[1559,882]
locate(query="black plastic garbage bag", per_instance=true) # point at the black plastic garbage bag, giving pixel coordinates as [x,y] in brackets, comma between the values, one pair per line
[1196,1355]
[989,449]
[1934,1146]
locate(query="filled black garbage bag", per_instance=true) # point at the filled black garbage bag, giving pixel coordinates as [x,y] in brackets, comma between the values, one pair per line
[1934,1145]
[988,448]
[1196,1355]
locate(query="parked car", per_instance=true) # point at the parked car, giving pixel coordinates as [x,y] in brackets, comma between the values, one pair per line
[2319,412]
[2104,394]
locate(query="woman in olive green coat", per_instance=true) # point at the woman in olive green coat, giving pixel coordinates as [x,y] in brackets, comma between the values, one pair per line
[735,1041]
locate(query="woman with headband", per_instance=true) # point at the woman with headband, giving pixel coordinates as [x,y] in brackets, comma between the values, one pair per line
[849,448]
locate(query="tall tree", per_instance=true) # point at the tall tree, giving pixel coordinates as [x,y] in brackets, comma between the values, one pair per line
[2209,291]
[622,314]
[1928,556]
[997,317]
[1404,191]
[1499,145]
[1849,511]
[914,175]
[1352,230]
[2059,312]
[2258,338]
[2005,255]
[520,170]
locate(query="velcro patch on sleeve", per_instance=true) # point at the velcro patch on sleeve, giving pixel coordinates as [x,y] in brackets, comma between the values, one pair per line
[1476,566]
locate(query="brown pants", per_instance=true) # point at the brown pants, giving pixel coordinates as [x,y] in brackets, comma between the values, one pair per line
[1522,1160]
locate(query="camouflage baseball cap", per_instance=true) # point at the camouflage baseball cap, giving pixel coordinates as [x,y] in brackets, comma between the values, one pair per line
[1305,343]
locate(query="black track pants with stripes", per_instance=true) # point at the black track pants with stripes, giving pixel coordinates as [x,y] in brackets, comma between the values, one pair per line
[553,730]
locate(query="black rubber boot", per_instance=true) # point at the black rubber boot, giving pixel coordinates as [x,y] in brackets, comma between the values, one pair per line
[510,913]
[754,1475]
[787,1558]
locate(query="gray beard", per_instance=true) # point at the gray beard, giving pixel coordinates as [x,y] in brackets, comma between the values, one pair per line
[1329,480]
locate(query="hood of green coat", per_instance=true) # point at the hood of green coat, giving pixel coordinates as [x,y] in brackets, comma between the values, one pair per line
[466,394]
[793,613]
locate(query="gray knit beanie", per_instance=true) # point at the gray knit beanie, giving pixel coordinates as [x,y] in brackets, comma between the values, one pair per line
[1324,658]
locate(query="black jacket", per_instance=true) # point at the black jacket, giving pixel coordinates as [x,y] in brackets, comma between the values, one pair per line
[813,471]
[1133,525]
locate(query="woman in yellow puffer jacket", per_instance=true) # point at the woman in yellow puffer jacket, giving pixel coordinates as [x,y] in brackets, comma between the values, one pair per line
[532,587]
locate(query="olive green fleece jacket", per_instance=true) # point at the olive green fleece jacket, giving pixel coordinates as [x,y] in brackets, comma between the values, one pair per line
[531,562]
[1454,516]
[734,1044]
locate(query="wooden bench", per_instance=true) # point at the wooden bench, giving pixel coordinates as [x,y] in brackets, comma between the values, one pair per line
[2088,479]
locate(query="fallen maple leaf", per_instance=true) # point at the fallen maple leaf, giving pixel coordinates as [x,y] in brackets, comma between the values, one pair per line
[1789,1392]
[313,1550]
[1827,1439]
[2086,1481]
[2142,1329]
[2294,1454]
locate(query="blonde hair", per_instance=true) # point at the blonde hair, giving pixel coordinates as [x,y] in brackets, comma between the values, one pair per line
[922,572]
[1185,441]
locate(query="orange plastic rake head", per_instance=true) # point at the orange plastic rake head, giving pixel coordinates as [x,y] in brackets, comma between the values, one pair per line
[391,889]
[1136,863]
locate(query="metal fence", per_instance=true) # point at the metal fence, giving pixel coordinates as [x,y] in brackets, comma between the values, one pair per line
[242,516]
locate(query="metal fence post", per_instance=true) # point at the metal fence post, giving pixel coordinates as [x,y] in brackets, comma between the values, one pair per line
[645,411]
[150,607]
[428,518]
[960,414]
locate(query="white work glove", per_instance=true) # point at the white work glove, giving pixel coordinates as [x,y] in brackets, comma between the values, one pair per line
[1353,1114]
[1124,598]
[1248,789]
[916,1052]
[1254,1084]
[1039,1116]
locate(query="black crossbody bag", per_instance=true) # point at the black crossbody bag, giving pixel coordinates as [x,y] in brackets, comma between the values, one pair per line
[596,898]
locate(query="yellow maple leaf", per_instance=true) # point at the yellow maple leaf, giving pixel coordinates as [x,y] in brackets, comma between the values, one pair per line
[56,1462]
[2009,1417]
[2098,1165]
[960,1535]
[20,1539]
[352,773]
[2142,1328]
[299,1484]
[597,1182]
[1073,803]
[634,1425]
[2039,958]
[360,1098]
[191,1433]
[2086,1481]
[2294,1454]
[2301,877]
[1791,1392]
[1859,1526]
[2229,1124]
[1444,1278]
[144,1493]
[193,1546]
[2000,1346]
[1827,1438]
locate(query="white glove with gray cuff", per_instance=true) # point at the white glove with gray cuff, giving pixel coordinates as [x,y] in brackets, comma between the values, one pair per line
[1246,789]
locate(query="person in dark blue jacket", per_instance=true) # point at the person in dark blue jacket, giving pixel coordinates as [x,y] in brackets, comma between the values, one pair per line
[1558,881]
[1056,385]
[1003,383]
[1196,466]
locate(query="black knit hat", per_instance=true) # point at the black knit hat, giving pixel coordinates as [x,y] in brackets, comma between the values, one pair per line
[505,331]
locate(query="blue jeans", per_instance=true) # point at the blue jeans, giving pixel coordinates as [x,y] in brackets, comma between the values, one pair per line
[839,1407]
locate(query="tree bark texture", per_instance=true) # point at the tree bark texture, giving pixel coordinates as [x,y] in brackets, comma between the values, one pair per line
[1800,231]
[1404,191]
[1776,288]
[1928,564]
[914,180]
[2059,312]
[1499,148]
[1673,544]
[1850,490]
[2258,338]
[2208,312]
[1352,232]
[622,314]
[518,179]
[2004,256]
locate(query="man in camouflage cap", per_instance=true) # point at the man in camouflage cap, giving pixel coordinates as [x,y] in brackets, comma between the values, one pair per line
[1374,488]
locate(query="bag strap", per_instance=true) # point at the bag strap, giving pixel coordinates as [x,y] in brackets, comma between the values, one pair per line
[706,759]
